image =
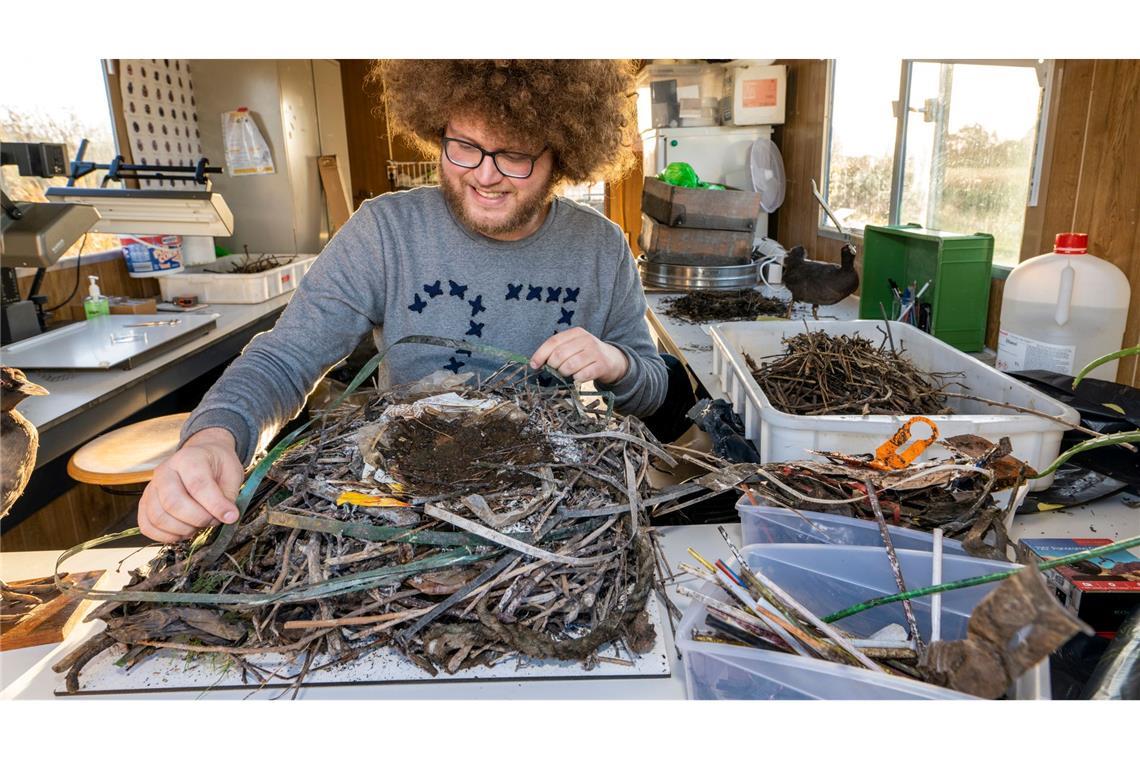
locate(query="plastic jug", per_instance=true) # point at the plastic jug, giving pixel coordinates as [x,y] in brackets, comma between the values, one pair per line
[1061,310]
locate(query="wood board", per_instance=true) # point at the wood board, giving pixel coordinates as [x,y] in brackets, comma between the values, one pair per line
[693,247]
[182,672]
[50,622]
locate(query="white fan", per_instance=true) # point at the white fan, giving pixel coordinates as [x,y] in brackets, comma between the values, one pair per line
[767,173]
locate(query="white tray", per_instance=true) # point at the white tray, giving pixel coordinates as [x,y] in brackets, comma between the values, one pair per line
[220,287]
[780,436]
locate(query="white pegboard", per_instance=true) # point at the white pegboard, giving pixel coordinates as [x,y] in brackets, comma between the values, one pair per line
[161,115]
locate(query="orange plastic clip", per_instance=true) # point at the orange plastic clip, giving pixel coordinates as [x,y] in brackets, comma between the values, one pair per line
[888,456]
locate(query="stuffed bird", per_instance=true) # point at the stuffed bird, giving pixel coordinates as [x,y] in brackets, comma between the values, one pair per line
[817,282]
[18,437]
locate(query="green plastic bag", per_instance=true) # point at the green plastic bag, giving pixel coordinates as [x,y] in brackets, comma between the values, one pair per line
[680,174]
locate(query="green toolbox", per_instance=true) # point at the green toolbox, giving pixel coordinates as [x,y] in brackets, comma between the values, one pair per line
[957,267]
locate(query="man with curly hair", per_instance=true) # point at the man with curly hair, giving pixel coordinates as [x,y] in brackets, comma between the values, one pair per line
[491,255]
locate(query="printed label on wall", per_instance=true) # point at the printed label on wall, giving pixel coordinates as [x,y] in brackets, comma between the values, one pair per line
[1016,352]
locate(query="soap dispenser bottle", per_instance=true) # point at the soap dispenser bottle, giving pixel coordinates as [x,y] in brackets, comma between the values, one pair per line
[95,304]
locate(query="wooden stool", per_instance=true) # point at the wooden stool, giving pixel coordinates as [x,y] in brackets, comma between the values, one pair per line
[127,455]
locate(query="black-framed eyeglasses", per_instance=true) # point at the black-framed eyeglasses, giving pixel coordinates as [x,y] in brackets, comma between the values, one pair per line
[510,163]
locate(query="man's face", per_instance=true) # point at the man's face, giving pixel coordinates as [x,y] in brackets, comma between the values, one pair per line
[485,200]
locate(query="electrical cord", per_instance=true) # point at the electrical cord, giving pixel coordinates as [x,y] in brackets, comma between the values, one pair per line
[74,290]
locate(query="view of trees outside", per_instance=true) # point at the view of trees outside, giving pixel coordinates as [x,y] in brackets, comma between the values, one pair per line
[63,103]
[970,139]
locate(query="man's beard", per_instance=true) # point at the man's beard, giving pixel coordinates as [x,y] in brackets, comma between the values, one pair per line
[454,192]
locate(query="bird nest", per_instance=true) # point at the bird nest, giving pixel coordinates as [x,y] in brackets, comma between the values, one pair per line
[458,524]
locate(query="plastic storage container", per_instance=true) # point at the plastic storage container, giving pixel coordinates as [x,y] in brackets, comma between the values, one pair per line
[151,255]
[826,579]
[680,95]
[1061,310]
[220,287]
[780,436]
[958,267]
[777,525]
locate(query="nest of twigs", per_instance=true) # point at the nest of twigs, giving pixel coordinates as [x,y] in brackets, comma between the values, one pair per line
[500,520]
[723,306]
[819,373]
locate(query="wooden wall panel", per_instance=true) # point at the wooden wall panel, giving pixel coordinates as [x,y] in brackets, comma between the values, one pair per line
[113,281]
[1091,181]
[80,514]
[367,134]
[367,144]
[801,143]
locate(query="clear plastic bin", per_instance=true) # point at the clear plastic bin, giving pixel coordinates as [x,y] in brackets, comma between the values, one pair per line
[777,525]
[669,95]
[826,579]
[722,671]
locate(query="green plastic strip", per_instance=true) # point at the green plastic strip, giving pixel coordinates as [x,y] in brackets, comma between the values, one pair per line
[1133,351]
[369,532]
[1113,439]
[345,584]
[979,580]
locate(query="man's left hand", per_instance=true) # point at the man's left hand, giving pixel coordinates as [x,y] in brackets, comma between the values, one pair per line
[578,354]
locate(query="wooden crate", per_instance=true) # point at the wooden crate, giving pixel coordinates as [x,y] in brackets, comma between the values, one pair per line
[700,209]
[693,247]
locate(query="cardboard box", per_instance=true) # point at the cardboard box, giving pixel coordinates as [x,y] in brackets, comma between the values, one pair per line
[123,305]
[755,95]
[1103,591]
[733,210]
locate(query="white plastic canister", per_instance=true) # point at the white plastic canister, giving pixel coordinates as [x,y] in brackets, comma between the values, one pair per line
[1061,310]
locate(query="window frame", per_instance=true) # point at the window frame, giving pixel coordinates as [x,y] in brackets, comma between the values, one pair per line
[1046,75]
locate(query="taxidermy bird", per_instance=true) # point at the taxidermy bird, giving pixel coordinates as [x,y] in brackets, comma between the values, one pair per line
[18,437]
[817,282]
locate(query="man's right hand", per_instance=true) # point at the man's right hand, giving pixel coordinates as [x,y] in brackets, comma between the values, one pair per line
[193,489]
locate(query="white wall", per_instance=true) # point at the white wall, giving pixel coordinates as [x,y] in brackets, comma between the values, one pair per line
[299,107]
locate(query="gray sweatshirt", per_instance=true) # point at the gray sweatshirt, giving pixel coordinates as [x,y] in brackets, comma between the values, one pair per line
[402,265]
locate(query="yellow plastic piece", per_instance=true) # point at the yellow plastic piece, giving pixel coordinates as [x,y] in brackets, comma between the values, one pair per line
[369,500]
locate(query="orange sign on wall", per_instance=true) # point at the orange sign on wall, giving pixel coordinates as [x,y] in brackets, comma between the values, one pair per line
[759,93]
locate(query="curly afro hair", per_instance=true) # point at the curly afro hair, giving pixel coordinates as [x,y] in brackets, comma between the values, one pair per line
[584,110]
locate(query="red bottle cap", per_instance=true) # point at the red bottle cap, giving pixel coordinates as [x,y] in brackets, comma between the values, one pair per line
[1071,242]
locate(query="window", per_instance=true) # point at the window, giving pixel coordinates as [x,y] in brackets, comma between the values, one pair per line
[64,102]
[965,158]
[591,194]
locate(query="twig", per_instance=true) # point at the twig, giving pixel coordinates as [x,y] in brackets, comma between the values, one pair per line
[1026,410]
[873,498]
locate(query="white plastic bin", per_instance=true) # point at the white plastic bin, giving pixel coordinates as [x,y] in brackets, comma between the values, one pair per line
[220,287]
[826,579]
[780,436]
